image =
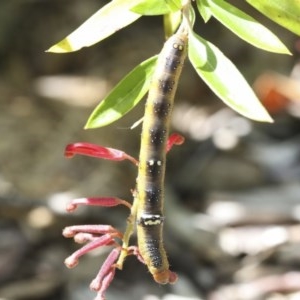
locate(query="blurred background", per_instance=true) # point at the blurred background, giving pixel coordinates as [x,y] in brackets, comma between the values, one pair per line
[232,189]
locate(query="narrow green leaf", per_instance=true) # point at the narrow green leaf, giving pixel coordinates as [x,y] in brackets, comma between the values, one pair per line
[174,5]
[224,79]
[156,7]
[246,27]
[151,8]
[204,10]
[192,16]
[284,12]
[125,95]
[106,21]
[171,23]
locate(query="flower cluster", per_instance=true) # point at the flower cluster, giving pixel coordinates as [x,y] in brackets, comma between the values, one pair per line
[95,236]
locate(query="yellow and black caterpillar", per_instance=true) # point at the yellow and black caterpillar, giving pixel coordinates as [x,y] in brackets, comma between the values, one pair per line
[152,161]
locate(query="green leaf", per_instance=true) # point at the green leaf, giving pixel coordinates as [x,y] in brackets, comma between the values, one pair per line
[191,16]
[204,10]
[125,95]
[106,21]
[174,5]
[224,79]
[171,22]
[246,27]
[284,12]
[151,8]
[156,7]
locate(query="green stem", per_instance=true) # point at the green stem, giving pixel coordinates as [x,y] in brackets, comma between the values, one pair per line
[128,232]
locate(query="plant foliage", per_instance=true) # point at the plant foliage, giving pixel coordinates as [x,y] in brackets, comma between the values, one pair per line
[216,70]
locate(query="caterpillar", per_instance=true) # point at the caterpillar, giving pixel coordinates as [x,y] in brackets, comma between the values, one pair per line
[149,192]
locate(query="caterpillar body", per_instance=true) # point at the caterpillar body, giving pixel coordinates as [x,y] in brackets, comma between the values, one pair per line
[152,161]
